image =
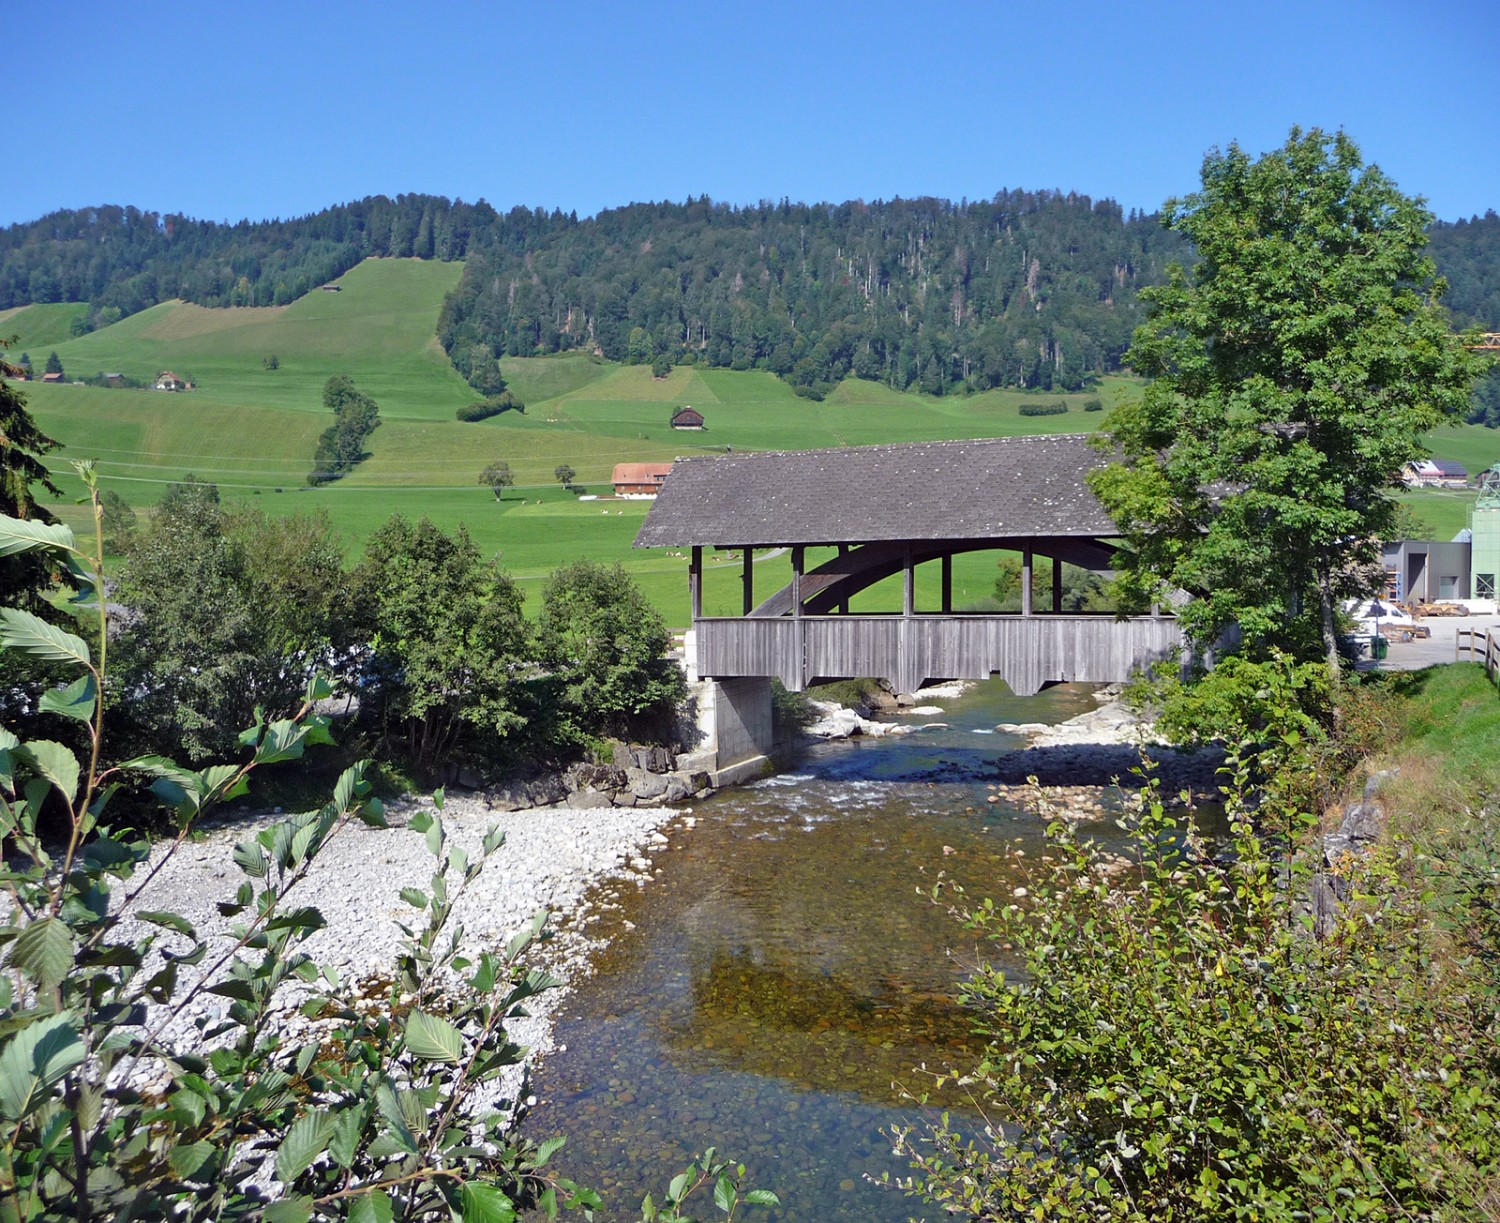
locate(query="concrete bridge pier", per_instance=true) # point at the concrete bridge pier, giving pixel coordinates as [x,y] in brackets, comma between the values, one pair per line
[734,725]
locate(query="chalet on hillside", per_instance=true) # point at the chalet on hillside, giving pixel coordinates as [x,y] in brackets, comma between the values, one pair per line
[168,381]
[55,377]
[687,418]
[639,479]
[1435,473]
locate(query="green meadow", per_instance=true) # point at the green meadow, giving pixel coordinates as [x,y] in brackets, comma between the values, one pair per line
[252,429]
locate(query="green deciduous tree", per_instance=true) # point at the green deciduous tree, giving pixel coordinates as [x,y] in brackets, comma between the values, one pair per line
[603,639]
[227,612]
[449,642]
[498,476]
[565,475]
[1295,368]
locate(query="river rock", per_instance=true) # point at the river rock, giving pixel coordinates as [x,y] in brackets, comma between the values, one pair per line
[645,784]
[836,722]
[588,800]
[545,791]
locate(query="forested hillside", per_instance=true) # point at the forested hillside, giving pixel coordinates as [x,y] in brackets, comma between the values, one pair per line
[1468,254]
[1030,289]
[123,259]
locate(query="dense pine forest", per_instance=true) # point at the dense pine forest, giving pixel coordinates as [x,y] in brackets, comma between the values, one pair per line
[1028,289]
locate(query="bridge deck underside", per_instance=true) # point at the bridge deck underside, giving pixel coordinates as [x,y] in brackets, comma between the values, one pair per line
[909,651]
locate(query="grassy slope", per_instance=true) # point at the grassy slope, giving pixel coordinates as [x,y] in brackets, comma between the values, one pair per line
[39,329]
[253,430]
[1442,751]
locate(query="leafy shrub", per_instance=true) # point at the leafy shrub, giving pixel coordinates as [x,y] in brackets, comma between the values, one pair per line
[369,1114]
[492,405]
[603,640]
[1093,405]
[1174,1042]
[1056,408]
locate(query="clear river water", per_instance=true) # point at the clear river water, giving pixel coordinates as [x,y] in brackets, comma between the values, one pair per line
[777,990]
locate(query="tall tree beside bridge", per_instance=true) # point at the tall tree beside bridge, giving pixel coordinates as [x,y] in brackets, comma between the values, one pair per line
[1294,371]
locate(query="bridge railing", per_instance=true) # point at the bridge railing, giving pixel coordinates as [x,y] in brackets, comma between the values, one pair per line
[1027,651]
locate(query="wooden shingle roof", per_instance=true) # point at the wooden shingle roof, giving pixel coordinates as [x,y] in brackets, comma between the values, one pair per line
[992,488]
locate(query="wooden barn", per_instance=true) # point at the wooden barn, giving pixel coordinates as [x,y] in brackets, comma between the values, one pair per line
[687,418]
[639,479]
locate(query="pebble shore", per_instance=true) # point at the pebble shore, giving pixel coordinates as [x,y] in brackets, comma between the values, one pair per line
[549,860]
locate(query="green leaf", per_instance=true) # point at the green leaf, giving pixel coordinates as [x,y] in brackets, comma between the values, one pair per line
[724,1193]
[304,1142]
[188,1160]
[415,897]
[218,775]
[344,1141]
[19,535]
[548,1149]
[32,635]
[76,701]
[34,1060]
[373,1207]
[44,952]
[171,921]
[524,937]
[494,838]
[433,1039]
[485,1204]
[297,1209]
[761,1197]
[390,1109]
[56,763]
[283,740]
[251,858]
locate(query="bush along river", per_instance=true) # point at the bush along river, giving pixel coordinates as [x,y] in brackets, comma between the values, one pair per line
[783,982]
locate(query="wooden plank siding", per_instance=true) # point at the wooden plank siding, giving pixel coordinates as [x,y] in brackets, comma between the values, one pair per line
[1026,652]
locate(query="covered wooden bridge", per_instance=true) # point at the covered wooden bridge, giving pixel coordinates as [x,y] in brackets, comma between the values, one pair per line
[887,510]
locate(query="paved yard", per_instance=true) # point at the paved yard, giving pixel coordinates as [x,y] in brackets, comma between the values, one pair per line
[1440,647]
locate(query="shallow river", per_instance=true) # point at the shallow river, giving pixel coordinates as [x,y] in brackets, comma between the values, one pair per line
[784,979]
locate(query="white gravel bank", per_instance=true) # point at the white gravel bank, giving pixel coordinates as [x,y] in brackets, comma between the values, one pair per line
[549,860]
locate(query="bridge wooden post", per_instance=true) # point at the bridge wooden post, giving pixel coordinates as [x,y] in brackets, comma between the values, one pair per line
[799,663]
[1056,586]
[1026,577]
[947,583]
[747,581]
[695,582]
[844,602]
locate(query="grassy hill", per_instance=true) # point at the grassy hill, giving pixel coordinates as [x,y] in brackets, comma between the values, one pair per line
[252,429]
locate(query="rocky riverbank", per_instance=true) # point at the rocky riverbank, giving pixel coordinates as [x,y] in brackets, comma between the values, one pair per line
[549,861]
[1080,766]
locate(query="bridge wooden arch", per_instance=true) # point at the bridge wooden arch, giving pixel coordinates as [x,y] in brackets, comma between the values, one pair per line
[888,510]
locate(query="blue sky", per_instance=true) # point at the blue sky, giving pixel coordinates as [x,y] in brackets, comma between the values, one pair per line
[231,110]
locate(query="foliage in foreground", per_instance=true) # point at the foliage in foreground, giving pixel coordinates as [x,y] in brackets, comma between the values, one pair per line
[1175,1043]
[380,1103]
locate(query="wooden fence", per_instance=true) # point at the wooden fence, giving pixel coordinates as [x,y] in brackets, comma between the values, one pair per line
[1479,645]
